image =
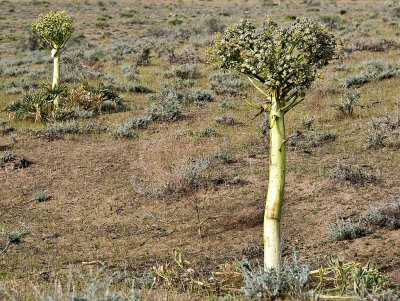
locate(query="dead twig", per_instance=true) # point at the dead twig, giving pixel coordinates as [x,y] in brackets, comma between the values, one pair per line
[6,247]
[160,220]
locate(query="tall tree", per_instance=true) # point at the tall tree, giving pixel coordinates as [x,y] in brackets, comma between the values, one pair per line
[281,63]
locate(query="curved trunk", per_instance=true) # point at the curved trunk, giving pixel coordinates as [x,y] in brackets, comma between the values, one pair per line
[56,75]
[276,186]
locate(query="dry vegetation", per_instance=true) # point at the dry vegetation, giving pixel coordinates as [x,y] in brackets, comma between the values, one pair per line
[174,161]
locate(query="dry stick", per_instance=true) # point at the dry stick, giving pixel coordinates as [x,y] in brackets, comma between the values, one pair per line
[158,219]
[398,113]
[5,249]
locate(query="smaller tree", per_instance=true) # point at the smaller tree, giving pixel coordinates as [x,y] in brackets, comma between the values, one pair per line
[56,29]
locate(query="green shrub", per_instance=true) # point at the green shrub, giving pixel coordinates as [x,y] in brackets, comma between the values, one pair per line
[199,97]
[347,229]
[346,105]
[385,215]
[307,122]
[6,157]
[175,22]
[185,71]
[40,196]
[138,87]
[288,282]
[352,173]
[226,83]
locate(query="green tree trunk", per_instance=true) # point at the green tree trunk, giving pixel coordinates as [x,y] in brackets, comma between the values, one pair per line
[276,186]
[56,75]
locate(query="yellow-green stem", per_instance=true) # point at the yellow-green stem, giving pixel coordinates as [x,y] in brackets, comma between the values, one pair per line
[276,187]
[56,76]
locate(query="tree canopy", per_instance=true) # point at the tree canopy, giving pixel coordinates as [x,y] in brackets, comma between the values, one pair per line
[285,60]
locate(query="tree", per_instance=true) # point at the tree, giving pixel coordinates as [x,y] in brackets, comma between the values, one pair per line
[281,63]
[56,29]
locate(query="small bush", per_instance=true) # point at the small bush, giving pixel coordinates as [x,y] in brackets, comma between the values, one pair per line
[353,81]
[186,71]
[213,25]
[226,120]
[143,58]
[199,97]
[352,173]
[130,72]
[346,105]
[226,104]
[97,285]
[175,22]
[207,133]
[289,281]
[69,127]
[224,154]
[347,229]
[318,138]
[385,215]
[377,45]
[165,111]
[138,87]
[226,83]
[15,236]
[307,122]
[333,22]
[168,107]
[6,157]
[40,196]
[124,132]
[382,131]
[184,179]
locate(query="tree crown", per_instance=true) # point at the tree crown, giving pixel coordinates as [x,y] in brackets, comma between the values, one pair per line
[55,28]
[285,60]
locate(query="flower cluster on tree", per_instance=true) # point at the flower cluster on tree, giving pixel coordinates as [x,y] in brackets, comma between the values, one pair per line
[285,60]
[55,28]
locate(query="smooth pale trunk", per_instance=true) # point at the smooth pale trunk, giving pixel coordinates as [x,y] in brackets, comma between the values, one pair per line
[56,76]
[276,186]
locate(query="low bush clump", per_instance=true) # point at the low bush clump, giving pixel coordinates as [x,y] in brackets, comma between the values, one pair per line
[40,196]
[373,69]
[383,132]
[226,83]
[185,71]
[387,215]
[169,106]
[184,179]
[289,281]
[347,104]
[376,45]
[347,229]
[82,101]
[352,173]
[199,97]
